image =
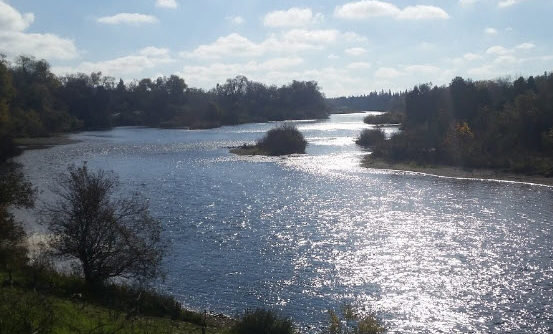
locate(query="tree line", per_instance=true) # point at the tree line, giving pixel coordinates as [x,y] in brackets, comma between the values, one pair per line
[36,102]
[499,124]
[374,101]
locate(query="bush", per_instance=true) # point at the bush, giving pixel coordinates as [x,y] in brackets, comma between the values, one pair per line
[386,118]
[263,322]
[285,139]
[349,321]
[370,137]
[24,312]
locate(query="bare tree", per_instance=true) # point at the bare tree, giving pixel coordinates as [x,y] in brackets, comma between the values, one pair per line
[111,236]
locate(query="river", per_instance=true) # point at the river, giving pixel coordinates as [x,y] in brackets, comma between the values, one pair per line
[306,233]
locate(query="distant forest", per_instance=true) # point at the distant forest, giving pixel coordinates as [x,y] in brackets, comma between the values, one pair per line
[35,102]
[374,101]
[498,124]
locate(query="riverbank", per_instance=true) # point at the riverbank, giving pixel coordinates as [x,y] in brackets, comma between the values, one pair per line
[37,143]
[46,301]
[456,172]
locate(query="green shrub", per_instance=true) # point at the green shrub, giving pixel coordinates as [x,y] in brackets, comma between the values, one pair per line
[263,322]
[370,137]
[349,321]
[24,313]
[285,139]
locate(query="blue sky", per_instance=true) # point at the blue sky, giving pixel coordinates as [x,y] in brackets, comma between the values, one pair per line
[348,47]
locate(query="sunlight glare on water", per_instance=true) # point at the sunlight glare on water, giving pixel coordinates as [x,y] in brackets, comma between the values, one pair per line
[307,233]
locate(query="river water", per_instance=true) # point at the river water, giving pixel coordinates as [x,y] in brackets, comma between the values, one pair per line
[306,233]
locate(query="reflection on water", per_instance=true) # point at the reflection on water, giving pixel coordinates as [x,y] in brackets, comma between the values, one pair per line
[309,232]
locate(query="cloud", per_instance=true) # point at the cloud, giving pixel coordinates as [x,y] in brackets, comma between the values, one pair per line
[126,66]
[359,66]
[293,17]
[507,3]
[127,18]
[498,50]
[471,56]
[357,51]
[373,8]
[387,73]
[525,46]
[422,69]
[15,41]
[295,40]
[236,20]
[467,2]
[12,20]
[490,31]
[167,4]
[420,12]
[208,75]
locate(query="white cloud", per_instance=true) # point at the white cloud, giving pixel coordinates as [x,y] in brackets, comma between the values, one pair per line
[498,50]
[236,20]
[126,66]
[127,18]
[525,46]
[353,37]
[467,2]
[46,46]
[293,17]
[231,45]
[208,75]
[12,20]
[167,4]
[295,40]
[490,31]
[471,56]
[333,56]
[365,9]
[359,66]
[506,59]
[357,51]
[15,41]
[387,73]
[507,3]
[420,12]
[373,8]
[422,69]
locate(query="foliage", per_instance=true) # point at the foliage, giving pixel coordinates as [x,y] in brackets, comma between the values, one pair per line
[285,139]
[351,322]
[25,313]
[385,118]
[262,321]
[485,124]
[370,137]
[374,101]
[111,237]
[15,191]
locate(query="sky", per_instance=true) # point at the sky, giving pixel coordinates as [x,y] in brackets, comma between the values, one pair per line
[349,48]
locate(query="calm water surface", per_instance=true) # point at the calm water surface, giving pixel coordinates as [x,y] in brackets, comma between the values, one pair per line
[306,233]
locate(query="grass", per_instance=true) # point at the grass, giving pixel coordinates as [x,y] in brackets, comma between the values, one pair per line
[74,316]
[48,302]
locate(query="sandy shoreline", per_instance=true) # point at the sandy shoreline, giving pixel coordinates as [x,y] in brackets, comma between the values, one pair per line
[457,172]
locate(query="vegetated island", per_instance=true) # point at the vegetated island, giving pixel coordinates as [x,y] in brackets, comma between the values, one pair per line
[485,129]
[283,140]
